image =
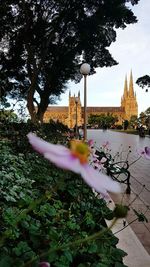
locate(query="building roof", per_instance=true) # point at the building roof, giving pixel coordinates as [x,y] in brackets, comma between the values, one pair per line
[57,109]
[89,109]
[105,109]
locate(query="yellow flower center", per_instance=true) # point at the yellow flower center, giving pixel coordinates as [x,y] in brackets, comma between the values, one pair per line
[80,150]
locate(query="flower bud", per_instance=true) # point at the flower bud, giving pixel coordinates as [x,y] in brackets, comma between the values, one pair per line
[120,211]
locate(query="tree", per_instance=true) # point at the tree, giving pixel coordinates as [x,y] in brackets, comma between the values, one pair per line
[110,120]
[44,42]
[102,120]
[126,124]
[144,118]
[143,82]
[133,121]
[147,112]
[8,116]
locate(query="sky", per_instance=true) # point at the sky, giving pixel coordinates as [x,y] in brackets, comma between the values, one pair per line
[132,51]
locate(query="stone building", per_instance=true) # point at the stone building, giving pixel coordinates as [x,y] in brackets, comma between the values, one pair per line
[67,115]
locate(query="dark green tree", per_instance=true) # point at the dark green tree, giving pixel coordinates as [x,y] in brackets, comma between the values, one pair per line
[125,124]
[102,120]
[133,121]
[144,82]
[44,42]
[144,118]
[110,120]
[8,116]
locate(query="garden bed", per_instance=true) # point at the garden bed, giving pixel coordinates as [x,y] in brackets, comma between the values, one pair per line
[48,214]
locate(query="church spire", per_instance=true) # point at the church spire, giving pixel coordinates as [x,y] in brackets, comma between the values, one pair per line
[135,94]
[131,91]
[125,88]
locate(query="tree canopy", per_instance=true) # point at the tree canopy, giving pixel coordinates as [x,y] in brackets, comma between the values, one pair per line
[144,118]
[8,115]
[43,43]
[102,120]
[144,81]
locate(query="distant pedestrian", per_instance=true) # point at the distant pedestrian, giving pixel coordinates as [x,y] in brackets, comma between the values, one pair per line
[141,131]
[81,133]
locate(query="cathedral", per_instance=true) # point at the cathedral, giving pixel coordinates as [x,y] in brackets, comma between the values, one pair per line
[74,111]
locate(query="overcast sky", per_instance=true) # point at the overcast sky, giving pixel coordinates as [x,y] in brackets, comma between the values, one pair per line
[132,51]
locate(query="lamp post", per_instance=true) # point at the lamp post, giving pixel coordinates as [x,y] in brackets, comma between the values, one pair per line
[76,101]
[85,70]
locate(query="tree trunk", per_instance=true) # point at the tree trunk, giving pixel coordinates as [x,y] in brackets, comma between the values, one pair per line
[41,110]
[40,116]
[44,101]
[30,101]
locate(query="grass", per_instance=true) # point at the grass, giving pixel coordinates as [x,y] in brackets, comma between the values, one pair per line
[128,131]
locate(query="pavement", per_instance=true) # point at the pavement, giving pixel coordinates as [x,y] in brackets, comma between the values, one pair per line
[141,229]
[139,199]
[140,188]
[134,238]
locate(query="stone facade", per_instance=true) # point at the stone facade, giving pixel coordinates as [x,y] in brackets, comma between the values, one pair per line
[67,115]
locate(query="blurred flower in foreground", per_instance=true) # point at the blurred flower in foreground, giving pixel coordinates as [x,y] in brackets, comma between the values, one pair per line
[44,264]
[145,153]
[75,159]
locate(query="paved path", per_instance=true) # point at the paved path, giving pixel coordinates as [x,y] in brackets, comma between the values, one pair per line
[137,255]
[140,172]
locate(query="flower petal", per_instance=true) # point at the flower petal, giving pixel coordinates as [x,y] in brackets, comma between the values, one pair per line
[103,160]
[147,152]
[141,151]
[63,158]
[42,146]
[91,142]
[99,181]
[57,154]
[67,162]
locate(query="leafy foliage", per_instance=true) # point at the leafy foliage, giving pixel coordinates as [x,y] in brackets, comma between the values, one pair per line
[144,119]
[133,121]
[125,124]
[143,82]
[140,216]
[103,120]
[14,181]
[8,115]
[50,211]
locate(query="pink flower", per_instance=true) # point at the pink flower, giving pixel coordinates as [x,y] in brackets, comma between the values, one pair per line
[106,144]
[145,153]
[75,159]
[98,164]
[91,142]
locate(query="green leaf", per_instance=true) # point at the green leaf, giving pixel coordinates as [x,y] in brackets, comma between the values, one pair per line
[68,255]
[92,248]
[141,217]
[119,264]
[6,262]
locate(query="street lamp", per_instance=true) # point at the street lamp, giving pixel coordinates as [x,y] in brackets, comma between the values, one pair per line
[76,101]
[85,70]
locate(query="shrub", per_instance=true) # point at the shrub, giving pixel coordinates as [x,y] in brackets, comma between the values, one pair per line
[119,127]
[48,215]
